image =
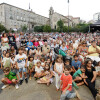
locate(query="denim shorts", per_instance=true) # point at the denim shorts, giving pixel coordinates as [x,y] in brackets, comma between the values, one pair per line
[22,69]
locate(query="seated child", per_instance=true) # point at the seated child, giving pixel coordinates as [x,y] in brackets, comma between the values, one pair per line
[66,84]
[67,63]
[6,61]
[13,67]
[98,69]
[42,62]
[47,79]
[10,78]
[35,60]
[76,64]
[49,61]
[38,70]
[13,64]
[79,75]
[31,66]
[3,47]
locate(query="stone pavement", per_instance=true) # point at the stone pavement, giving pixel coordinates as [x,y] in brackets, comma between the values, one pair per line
[34,91]
[30,91]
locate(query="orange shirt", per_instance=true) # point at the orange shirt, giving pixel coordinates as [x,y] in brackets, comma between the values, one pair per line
[66,80]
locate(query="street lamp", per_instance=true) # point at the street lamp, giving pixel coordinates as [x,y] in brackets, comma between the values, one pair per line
[29,17]
[68,16]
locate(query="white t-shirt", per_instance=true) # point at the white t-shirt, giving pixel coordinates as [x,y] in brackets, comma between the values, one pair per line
[35,61]
[3,48]
[21,59]
[4,60]
[41,44]
[75,45]
[13,62]
[97,68]
[38,70]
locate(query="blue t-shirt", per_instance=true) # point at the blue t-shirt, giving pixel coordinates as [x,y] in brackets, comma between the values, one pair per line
[76,64]
[29,44]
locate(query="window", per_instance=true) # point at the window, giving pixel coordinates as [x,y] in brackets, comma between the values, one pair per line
[32,26]
[1,13]
[17,17]
[11,17]
[21,18]
[10,9]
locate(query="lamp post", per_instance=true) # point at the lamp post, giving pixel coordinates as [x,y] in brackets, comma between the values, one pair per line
[68,16]
[29,17]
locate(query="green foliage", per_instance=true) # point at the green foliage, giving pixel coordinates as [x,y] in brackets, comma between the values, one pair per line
[24,28]
[46,28]
[60,25]
[38,28]
[2,28]
[53,30]
[81,28]
[78,28]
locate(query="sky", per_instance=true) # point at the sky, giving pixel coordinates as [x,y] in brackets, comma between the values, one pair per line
[85,9]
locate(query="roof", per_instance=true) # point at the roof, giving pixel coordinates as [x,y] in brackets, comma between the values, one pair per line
[98,22]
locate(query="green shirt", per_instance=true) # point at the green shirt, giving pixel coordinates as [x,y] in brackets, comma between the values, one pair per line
[11,76]
[62,53]
[77,73]
[31,65]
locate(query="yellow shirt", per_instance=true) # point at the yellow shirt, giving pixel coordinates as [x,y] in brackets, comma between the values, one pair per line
[92,49]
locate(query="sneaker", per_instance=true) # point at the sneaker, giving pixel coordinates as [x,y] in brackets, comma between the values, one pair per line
[4,87]
[26,80]
[16,86]
[20,82]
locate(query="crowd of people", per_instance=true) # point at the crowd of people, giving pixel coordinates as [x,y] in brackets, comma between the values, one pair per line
[33,56]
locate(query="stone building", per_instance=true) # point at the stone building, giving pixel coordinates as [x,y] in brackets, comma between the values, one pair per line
[55,17]
[13,18]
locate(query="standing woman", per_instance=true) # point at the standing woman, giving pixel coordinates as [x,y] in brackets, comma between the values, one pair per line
[91,74]
[5,40]
[17,40]
[58,68]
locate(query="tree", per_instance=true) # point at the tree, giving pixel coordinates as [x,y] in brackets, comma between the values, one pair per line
[60,25]
[38,28]
[24,28]
[46,28]
[82,27]
[2,28]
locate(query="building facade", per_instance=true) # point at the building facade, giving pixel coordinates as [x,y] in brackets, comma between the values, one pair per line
[55,17]
[96,17]
[13,18]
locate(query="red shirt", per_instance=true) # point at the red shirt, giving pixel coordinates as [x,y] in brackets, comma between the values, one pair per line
[66,80]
